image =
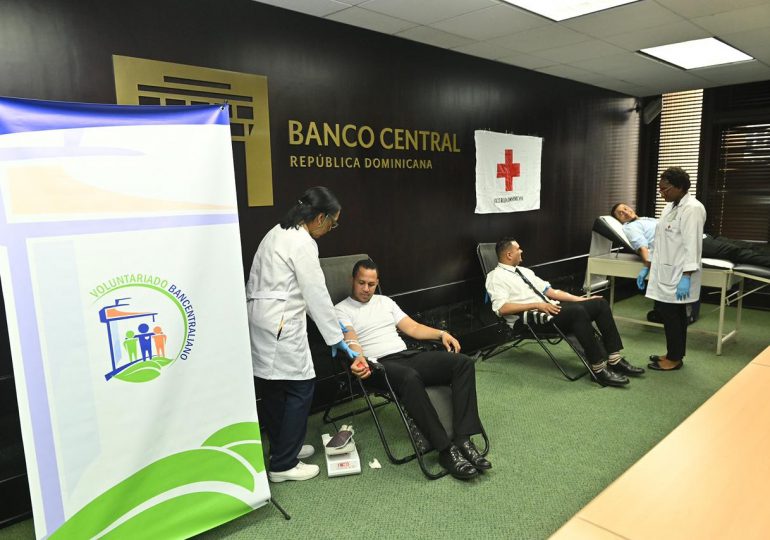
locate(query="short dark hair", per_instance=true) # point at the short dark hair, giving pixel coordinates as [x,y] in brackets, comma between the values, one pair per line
[502,246]
[316,200]
[612,212]
[367,264]
[677,177]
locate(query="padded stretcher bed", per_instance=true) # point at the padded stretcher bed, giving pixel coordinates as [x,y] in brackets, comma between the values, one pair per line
[604,265]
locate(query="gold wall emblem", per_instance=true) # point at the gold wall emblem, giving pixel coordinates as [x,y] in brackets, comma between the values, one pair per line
[149,82]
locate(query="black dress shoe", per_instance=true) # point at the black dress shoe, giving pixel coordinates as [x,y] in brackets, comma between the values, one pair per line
[624,368]
[654,358]
[473,455]
[454,462]
[605,377]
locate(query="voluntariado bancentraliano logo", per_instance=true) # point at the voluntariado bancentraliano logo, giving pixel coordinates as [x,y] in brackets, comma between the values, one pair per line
[148,323]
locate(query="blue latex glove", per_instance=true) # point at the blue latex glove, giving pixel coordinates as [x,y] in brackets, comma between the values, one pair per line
[683,289]
[641,277]
[342,346]
[342,327]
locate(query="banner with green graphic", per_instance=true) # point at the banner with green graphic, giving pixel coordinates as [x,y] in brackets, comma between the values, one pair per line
[121,272]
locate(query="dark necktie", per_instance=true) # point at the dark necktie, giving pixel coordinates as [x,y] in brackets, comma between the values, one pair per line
[534,316]
[529,283]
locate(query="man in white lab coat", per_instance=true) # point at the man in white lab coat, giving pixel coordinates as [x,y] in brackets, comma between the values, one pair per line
[285,283]
[675,271]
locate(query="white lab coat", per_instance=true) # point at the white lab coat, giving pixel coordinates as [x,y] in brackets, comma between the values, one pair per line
[678,247]
[285,282]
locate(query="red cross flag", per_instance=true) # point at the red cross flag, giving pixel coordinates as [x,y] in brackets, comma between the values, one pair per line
[507,172]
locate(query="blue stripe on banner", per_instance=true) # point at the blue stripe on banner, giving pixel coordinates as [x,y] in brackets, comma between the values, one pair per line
[19,115]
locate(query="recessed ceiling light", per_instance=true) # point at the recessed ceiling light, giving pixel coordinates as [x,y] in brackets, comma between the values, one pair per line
[698,53]
[560,10]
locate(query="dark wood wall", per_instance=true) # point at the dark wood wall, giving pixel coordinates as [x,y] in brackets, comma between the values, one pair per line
[419,225]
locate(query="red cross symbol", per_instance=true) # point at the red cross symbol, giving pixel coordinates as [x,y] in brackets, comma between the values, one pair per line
[508,170]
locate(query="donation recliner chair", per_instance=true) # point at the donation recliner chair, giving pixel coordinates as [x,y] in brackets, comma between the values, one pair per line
[523,329]
[337,271]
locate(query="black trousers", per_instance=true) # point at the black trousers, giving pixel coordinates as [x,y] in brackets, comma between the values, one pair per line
[674,318]
[736,251]
[409,373]
[576,318]
[285,408]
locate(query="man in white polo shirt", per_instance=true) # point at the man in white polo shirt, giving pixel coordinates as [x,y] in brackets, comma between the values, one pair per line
[370,322]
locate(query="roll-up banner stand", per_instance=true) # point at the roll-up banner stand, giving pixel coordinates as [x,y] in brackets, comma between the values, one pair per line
[121,273]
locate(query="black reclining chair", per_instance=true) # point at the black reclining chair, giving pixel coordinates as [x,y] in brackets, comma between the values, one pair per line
[337,271]
[523,329]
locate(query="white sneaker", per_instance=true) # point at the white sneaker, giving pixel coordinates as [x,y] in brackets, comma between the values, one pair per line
[302,471]
[306,451]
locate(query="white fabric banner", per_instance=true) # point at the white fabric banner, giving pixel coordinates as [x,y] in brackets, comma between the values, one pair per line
[122,277]
[507,172]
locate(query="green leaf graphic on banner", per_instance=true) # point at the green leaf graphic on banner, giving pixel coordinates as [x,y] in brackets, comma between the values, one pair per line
[220,460]
[240,438]
[240,432]
[181,517]
[144,371]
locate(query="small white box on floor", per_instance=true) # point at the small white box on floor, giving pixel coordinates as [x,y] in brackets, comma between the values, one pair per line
[341,464]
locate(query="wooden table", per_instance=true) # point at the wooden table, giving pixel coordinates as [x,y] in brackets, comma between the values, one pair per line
[709,478]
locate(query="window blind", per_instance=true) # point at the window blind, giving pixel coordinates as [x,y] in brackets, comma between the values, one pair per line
[739,206]
[680,122]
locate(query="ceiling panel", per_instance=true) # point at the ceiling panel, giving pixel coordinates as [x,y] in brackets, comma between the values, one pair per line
[738,20]
[597,48]
[567,72]
[658,35]
[628,18]
[607,64]
[319,8]
[700,8]
[755,43]
[593,48]
[484,49]
[736,73]
[371,20]
[437,38]
[659,75]
[538,39]
[528,61]
[491,22]
[425,11]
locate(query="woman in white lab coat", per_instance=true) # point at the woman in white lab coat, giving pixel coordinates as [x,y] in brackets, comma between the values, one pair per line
[285,284]
[675,273]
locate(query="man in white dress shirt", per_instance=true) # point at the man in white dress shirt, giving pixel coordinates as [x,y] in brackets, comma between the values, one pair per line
[514,289]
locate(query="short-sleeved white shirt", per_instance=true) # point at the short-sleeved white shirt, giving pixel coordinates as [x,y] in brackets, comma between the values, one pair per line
[375,324]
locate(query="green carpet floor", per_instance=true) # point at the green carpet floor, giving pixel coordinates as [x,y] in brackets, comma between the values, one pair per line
[555,445]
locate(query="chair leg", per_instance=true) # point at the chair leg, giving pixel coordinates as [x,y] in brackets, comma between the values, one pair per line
[497,349]
[327,412]
[580,354]
[393,459]
[553,358]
